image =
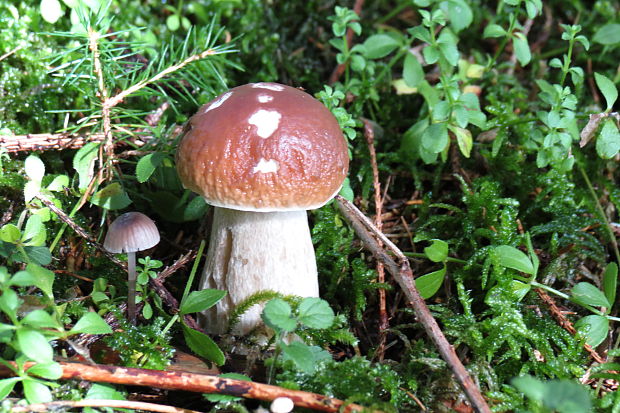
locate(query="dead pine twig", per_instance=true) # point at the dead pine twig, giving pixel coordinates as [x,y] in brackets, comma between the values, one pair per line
[369,134]
[200,383]
[117,404]
[402,273]
[47,141]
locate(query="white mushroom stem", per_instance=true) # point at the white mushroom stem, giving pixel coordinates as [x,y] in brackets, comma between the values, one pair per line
[256,251]
[131,287]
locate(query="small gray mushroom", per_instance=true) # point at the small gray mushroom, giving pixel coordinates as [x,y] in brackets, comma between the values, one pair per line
[129,233]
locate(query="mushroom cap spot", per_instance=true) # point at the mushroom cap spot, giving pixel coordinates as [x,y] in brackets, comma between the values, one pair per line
[218,102]
[271,86]
[266,121]
[266,166]
[284,154]
[131,232]
[265,98]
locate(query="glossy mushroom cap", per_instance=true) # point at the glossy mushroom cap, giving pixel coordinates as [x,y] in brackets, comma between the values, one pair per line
[263,147]
[131,232]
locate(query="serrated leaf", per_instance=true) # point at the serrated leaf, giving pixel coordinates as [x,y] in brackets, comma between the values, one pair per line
[34,345]
[594,328]
[586,293]
[413,73]
[277,314]
[380,45]
[147,165]
[198,301]
[514,258]
[430,283]
[35,169]
[608,34]
[91,323]
[608,89]
[203,345]
[315,313]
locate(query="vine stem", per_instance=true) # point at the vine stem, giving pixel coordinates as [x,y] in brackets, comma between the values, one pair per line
[402,273]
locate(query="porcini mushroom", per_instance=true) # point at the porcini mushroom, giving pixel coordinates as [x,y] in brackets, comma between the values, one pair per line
[261,154]
[131,232]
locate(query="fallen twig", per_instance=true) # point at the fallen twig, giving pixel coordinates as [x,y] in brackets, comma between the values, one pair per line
[118,404]
[200,383]
[46,141]
[384,324]
[403,274]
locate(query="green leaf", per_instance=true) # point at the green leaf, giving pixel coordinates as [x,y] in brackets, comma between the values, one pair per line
[533,7]
[610,282]
[608,88]
[447,45]
[44,277]
[6,386]
[412,71]
[51,10]
[608,140]
[511,257]
[59,182]
[36,392]
[530,386]
[493,30]
[173,22]
[40,319]
[431,54]
[435,138]
[380,45]
[459,13]
[198,301]
[39,255]
[34,168]
[277,314]
[608,34]
[10,233]
[586,293]
[301,354]
[51,371]
[463,139]
[31,189]
[429,284]
[23,279]
[84,163]
[203,345]
[147,165]
[520,289]
[111,197]
[522,48]
[594,328]
[91,323]
[34,233]
[315,313]
[34,345]
[104,391]
[437,251]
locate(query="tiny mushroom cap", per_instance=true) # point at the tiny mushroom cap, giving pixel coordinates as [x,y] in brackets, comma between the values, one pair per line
[131,232]
[282,405]
[264,147]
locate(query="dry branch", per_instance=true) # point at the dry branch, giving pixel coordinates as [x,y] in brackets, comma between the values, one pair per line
[200,383]
[402,273]
[46,141]
[117,404]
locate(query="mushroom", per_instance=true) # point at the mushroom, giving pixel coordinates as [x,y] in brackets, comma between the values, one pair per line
[261,154]
[131,232]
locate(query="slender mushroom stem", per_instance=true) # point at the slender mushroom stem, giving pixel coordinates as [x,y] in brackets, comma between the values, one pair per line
[131,288]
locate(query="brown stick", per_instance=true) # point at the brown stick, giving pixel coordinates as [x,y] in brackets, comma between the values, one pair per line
[384,324]
[46,141]
[200,383]
[119,404]
[339,70]
[403,274]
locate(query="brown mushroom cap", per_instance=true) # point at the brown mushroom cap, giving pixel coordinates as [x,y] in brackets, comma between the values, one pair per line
[263,147]
[131,232]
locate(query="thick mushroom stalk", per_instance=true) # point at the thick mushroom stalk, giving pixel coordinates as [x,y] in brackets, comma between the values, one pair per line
[243,262]
[262,154]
